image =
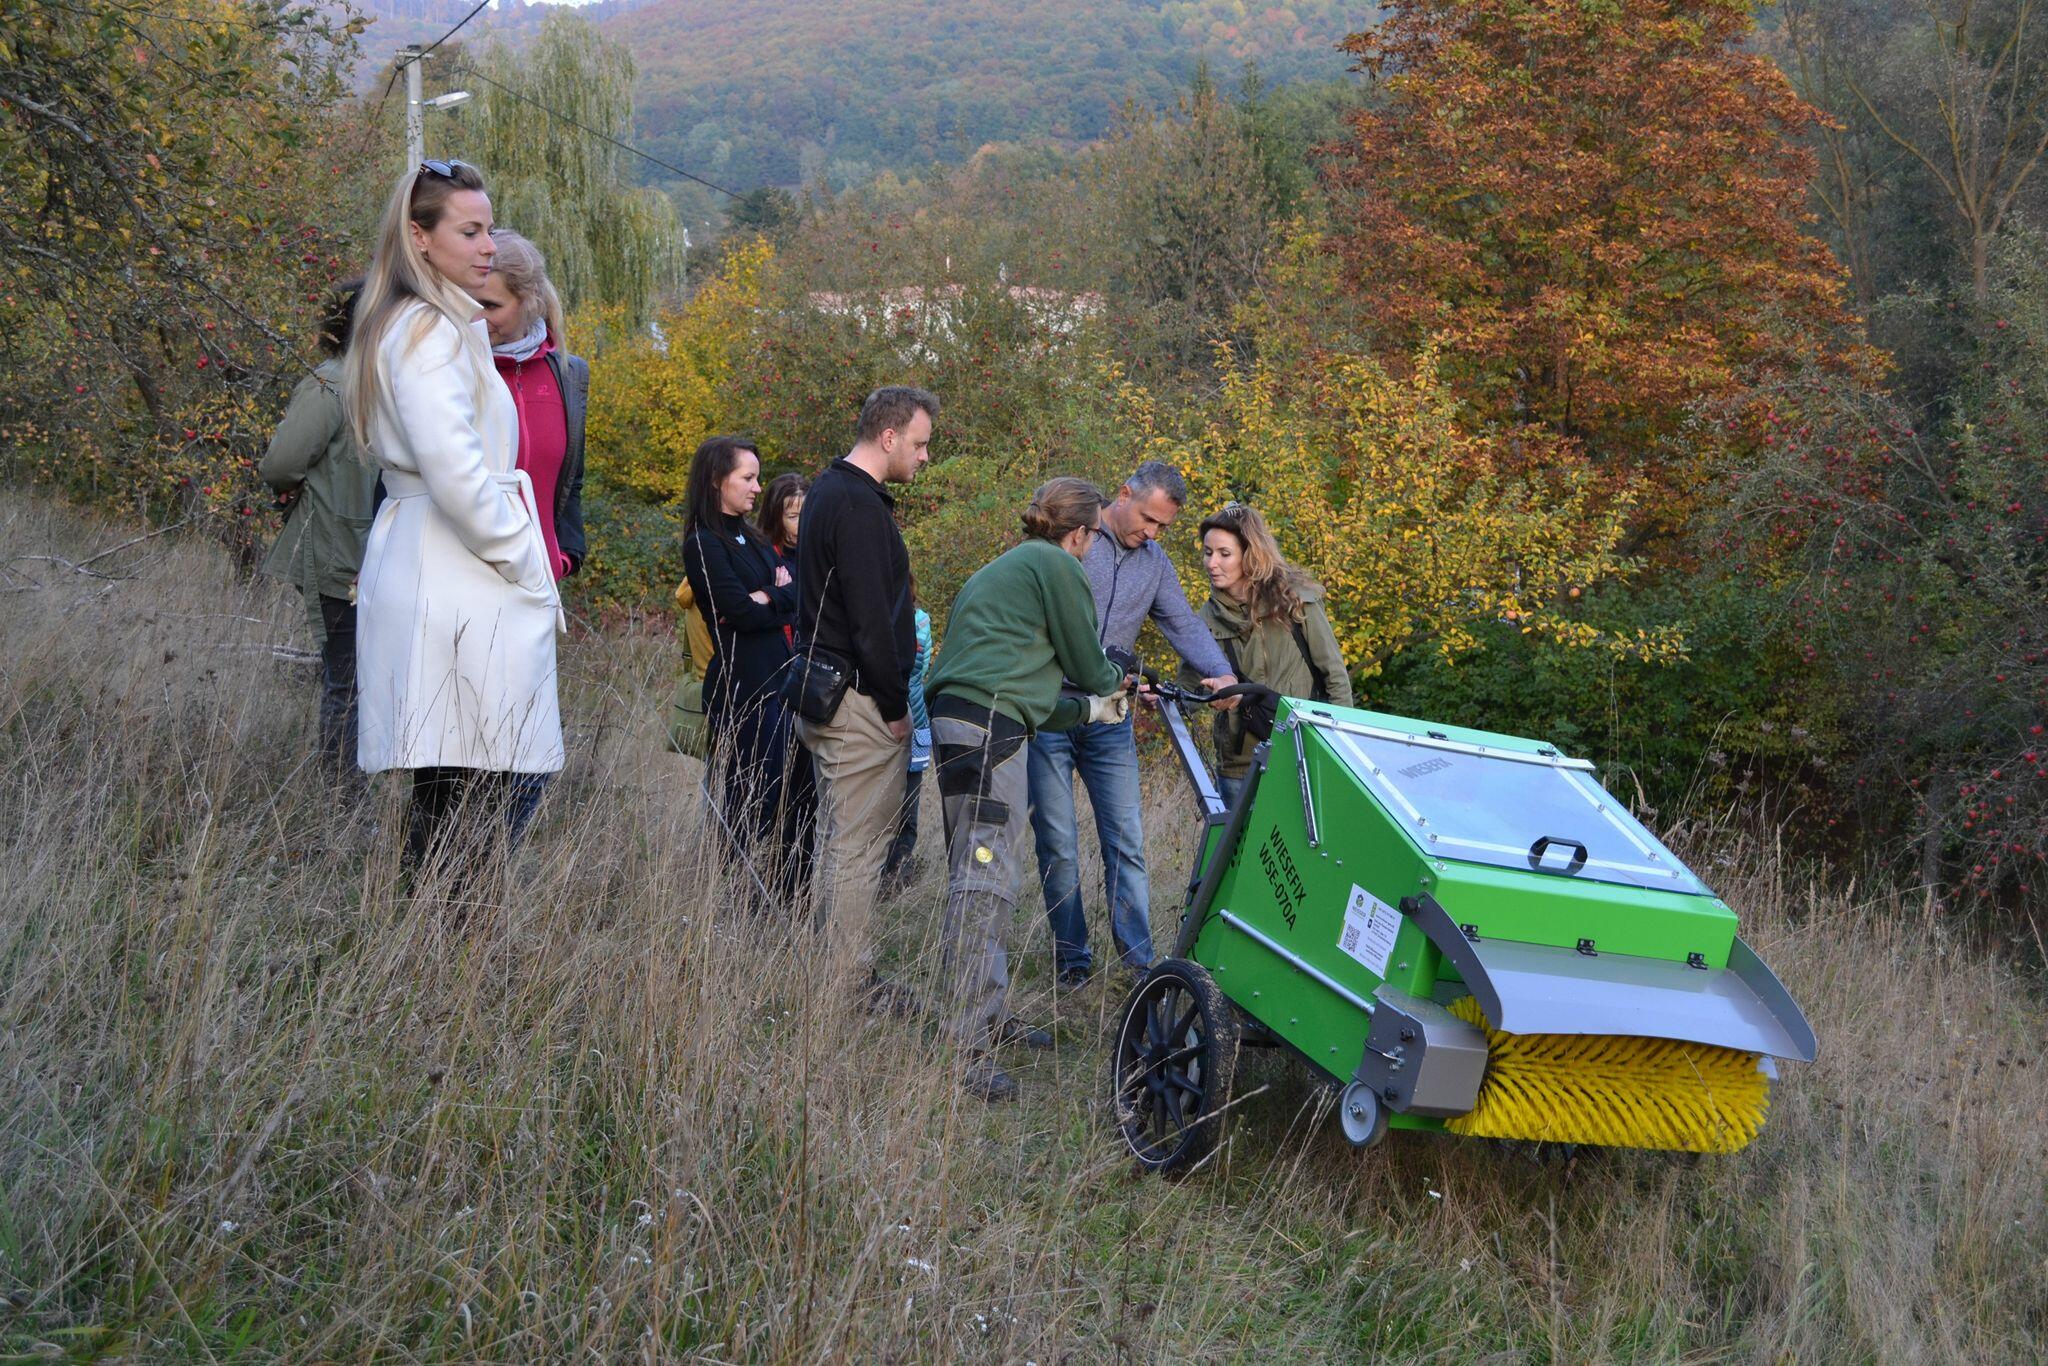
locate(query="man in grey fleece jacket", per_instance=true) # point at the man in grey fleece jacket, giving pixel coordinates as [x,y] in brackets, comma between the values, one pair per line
[1133,580]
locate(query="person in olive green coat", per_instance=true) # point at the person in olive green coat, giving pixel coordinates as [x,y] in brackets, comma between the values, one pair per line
[1020,625]
[313,454]
[1268,617]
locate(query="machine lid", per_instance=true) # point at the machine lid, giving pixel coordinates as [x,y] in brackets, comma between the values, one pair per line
[1532,810]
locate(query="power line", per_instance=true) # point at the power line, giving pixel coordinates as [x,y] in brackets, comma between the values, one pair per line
[424,51]
[421,56]
[602,137]
[453,31]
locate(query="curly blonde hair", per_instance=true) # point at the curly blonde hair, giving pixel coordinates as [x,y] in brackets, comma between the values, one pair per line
[1272,586]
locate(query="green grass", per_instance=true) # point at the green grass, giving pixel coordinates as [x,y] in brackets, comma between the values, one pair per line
[256,1103]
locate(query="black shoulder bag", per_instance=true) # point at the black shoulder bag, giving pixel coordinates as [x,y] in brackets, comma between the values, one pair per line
[814,683]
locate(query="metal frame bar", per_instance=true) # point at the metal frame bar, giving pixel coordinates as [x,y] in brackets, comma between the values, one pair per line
[1259,937]
[1308,796]
[1322,722]
[1207,794]
[1197,913]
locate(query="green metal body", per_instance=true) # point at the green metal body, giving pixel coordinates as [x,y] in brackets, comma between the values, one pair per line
[1279,887]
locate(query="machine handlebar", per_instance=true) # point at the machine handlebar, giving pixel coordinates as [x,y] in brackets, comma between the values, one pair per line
[1174,692]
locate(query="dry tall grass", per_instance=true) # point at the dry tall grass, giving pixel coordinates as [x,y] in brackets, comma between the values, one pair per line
[253,1101]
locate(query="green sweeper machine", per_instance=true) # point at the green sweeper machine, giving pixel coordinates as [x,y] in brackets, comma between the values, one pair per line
[1464,932]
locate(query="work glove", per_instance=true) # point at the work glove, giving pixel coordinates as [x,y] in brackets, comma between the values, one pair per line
[1111,709]
[920,748]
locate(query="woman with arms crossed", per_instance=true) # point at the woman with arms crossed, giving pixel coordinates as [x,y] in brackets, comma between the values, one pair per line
[747,596]
[550,388]
[550,393]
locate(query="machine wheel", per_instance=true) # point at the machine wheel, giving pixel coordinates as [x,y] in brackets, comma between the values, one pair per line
[1362,1115]
[1176,1051]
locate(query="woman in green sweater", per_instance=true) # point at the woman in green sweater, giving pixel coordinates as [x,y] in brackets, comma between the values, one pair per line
[1019,627]
[1268,617]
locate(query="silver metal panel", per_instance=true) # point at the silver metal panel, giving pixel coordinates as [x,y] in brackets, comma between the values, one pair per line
[1207,794]
[1540,989]
[1494,806]
[1743,962]
[1419,1058]
[1546,990]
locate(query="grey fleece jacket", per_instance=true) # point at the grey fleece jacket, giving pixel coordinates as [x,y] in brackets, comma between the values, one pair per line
[1131,585]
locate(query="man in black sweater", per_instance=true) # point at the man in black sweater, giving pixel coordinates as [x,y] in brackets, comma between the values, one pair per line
[853,605]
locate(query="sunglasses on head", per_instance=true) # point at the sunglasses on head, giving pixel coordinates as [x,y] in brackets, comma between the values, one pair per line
[444,169]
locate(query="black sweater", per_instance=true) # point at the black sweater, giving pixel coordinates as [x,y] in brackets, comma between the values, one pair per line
[725,561]
[853,584]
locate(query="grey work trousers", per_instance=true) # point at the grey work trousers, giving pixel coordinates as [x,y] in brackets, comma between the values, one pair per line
[985,791]
[859,767]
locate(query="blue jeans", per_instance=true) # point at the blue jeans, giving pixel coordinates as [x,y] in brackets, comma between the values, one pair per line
[1230,787]
[1106,756]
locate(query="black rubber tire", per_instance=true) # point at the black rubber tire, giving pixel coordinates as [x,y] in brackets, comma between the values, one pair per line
[1172,1066]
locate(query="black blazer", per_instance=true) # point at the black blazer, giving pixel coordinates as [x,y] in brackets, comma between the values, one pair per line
[572,377]
[725,561]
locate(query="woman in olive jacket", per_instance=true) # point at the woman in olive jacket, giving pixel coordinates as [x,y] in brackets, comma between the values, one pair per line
[747,596]
[1268,617]
[314,454]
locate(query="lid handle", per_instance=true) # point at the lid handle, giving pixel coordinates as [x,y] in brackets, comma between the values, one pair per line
[1542,846]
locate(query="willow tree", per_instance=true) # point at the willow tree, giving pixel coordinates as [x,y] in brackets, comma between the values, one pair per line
[607,240]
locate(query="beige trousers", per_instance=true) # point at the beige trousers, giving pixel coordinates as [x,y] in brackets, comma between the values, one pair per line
[860,769]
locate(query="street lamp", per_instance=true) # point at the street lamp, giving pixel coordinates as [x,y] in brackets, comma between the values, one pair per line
[416,107]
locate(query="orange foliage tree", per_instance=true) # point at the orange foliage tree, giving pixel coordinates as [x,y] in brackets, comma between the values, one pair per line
[1596,205]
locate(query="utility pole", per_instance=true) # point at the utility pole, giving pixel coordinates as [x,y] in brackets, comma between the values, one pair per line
[416,107]
[415,112]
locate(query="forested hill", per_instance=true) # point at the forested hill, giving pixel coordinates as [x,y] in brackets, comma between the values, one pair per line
[397,23]
[754,92]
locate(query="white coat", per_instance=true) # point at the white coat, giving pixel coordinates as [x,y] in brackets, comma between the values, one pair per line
[456,607]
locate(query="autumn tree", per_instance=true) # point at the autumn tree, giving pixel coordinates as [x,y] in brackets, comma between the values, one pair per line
[1598,207]
[1428,526]
[607,239]
[1912,568]
[174,196]
[1190,199]
[668,388]
[1958,89]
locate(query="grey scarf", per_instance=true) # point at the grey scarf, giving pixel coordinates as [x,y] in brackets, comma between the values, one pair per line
[525,348]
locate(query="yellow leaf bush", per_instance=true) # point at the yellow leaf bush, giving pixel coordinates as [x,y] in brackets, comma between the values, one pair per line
[1421,527]
[655,394]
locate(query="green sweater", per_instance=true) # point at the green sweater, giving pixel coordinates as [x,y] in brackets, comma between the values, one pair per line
[1021,623]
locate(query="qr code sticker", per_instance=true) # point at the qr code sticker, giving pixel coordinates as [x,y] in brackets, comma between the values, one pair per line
[1370,928]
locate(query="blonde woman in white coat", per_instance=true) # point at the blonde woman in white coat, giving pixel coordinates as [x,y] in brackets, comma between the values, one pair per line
[456,606]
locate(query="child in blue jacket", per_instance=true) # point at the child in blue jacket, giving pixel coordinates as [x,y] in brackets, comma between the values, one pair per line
[897,868]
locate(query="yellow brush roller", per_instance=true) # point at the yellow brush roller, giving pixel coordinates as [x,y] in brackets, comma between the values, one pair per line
[1614,1090]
